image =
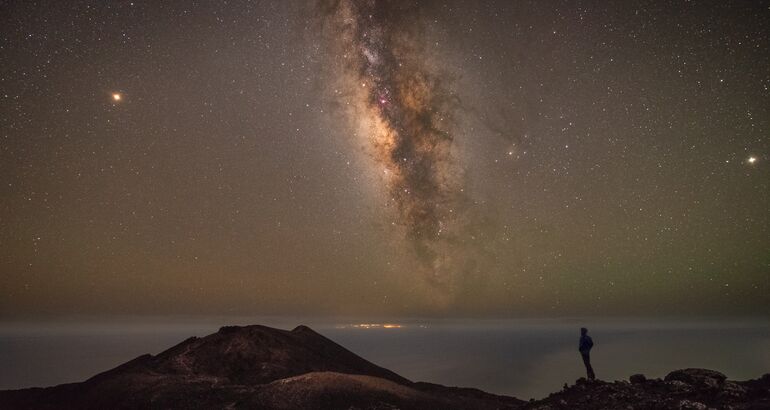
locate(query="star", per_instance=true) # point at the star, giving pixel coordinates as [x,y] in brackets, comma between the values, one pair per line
[752,160]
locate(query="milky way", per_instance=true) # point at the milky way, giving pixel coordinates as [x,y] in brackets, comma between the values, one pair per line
[385,159]
[403,108]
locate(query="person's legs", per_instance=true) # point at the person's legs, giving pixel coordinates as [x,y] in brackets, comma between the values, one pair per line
[589,369]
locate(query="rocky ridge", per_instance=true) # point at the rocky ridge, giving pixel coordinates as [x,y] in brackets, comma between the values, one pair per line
[686,389]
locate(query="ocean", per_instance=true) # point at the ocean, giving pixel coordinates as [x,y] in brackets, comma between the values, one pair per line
[521,358]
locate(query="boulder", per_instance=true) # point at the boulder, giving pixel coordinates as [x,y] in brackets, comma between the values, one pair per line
[733,390]
[698,377]
[637,379]
[678,385]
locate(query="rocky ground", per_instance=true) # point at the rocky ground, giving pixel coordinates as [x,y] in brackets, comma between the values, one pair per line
[691,389]
[257,367]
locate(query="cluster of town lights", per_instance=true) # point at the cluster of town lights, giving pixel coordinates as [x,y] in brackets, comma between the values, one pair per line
[372,326]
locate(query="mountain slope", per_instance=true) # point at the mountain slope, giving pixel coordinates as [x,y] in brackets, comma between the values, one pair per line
[252,367]
[258,354]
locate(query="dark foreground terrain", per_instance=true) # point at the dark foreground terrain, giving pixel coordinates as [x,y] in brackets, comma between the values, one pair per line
[265,368]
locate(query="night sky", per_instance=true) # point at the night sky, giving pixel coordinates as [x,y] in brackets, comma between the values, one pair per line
[389,159]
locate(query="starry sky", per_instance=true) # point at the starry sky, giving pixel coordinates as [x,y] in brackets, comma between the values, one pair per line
[393,159]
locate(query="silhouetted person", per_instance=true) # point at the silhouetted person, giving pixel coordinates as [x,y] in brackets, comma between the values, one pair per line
[585,349]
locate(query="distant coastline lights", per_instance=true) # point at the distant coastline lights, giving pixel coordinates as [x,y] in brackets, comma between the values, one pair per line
[371,326]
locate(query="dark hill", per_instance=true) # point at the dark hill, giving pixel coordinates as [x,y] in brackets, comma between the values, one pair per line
[254,355]
[251,367]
